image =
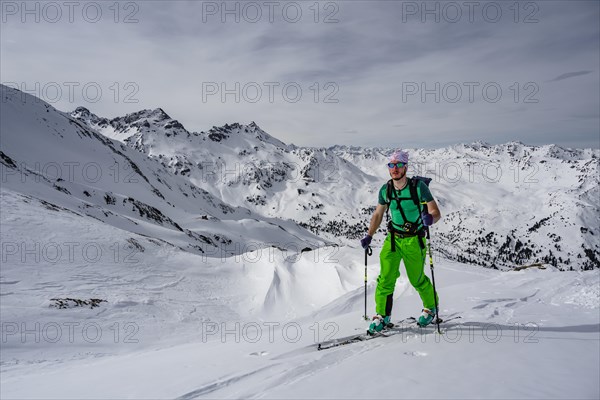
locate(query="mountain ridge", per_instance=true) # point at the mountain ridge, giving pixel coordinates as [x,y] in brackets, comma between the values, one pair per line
[51,158]
[502,205]
[564,180]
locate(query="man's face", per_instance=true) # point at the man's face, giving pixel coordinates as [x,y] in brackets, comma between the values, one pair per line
[397,170]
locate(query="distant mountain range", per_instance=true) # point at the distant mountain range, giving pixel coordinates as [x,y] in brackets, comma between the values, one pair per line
[503,205]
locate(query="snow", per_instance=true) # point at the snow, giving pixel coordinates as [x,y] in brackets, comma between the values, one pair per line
[219,298]
[209,330]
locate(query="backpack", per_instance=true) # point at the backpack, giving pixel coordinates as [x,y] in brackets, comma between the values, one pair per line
[410,228]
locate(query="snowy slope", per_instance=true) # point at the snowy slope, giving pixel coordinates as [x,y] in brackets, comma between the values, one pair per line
[527,334]
[49,157]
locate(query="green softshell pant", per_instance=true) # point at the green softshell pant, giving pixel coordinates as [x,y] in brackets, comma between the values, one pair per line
[409,250]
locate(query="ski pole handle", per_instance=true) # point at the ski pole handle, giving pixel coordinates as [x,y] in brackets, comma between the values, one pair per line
[368,252]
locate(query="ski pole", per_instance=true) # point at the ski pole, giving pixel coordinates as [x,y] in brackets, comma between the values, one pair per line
[368,252]
[437,311]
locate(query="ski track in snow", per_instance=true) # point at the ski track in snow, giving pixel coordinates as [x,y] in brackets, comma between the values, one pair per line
[293,372]
[220,384]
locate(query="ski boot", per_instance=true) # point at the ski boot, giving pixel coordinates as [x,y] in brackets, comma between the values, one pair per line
[379,323]
[426,317]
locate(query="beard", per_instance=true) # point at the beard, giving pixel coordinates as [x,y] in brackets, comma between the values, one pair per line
[402,175]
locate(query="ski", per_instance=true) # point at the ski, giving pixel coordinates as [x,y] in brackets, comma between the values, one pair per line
[398,327]
[439,320]
[364,336]
[449,319]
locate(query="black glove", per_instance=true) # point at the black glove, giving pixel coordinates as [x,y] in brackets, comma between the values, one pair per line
[427,218]
[366,241]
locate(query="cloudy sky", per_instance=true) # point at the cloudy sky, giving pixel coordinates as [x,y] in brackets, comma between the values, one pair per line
[365,73]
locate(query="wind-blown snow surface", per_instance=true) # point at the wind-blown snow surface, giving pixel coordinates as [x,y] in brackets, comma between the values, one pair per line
[175,328]
[197,294]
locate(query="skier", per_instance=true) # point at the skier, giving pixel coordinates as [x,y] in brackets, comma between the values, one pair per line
[406,198]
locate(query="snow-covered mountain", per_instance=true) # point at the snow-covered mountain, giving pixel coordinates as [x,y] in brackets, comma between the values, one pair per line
[503,205]
[510,204]
[53,159]
[148,261]
[246,167]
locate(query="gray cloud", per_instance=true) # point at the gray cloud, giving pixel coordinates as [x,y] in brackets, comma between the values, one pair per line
[568,75]
[366,62]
